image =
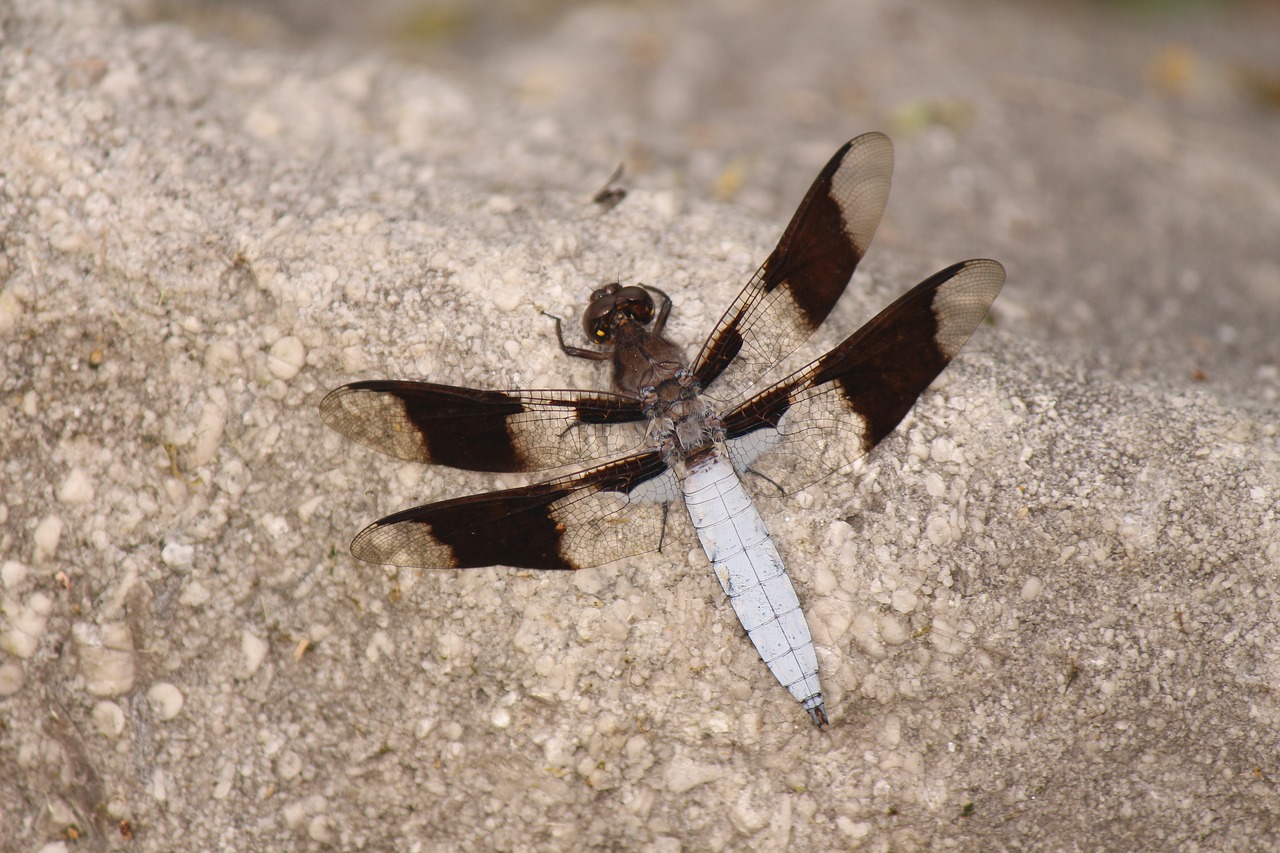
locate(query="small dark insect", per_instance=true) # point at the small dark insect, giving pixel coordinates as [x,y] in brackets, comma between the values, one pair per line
[609,196]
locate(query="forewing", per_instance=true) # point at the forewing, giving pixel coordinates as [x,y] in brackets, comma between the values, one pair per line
[799,284]
[834,411]
[588,519]
[482,430]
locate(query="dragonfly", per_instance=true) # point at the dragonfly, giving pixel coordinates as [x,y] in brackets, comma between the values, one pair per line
[696,427]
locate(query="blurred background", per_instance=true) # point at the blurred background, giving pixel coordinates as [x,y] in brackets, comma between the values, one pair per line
[1121,158]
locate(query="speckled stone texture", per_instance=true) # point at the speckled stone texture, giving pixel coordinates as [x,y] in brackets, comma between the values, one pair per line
[1046,608]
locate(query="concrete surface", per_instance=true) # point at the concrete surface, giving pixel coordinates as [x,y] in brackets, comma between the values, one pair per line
[1046,607]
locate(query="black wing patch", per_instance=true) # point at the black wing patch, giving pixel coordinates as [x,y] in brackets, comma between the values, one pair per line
[843,404]
[799,284]
[482,430]
[573,522]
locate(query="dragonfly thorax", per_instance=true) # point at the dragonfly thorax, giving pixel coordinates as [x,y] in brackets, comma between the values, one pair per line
[681,421]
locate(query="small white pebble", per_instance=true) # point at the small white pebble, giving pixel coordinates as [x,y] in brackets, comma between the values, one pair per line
[254,650]
[318,830]
[226,780]
[288,765]
[120,83]
[10,311]
[501,718]
[46,536]
[294,814]
[507,298]
[606,723]
[379,646]
[40,604]
[452,645]
[208,433]
[354,360]
[307,509]
[664,205]
[178,556]
[159,787]
[26,626]
[867,637]
[12,573]
[824,581]
[165,699]
[904,600]
[109,718]
[839,532]
[175,490]
[106,658]
[286,358]
[683,775]
[557,752]
[194,594]
[891,731]
[940,531]
[76,488]
[945,639]
[830,619]
[893,630]
[12,677]
[220,356]
[262,122]
[854,829]
[1031,588]
[500,204]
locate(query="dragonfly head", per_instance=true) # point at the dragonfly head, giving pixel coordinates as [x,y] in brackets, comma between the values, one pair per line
[614,305]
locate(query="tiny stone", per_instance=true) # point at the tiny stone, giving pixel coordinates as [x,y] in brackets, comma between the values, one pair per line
[286,358]
[318,830]
[12,677]
[684,775]
[27,625]
[194,594]
[288,765]
[208,433]
[892,630]
[166,700]
[307,509]
[106,658]
[46,536]
[109,718]
[10,311]
[12,573]
[177,556]
[220,356]
[76,488]
[254,650]
[904,600]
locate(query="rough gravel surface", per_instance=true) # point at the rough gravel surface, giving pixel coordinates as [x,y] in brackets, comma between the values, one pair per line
[1046,607]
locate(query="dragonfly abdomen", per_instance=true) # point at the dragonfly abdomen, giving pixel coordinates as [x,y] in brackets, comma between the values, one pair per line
[750,571]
